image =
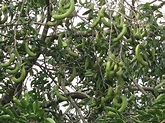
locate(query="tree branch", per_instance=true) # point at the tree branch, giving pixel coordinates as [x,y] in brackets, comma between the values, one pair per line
[78,95]
[17,87]
[72,101]
[139,87]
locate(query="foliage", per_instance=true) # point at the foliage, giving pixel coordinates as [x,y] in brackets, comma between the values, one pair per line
[85,61]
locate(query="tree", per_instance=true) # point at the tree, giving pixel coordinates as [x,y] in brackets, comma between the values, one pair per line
[92,62]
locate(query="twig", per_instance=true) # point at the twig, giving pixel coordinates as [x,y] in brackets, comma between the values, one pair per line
[160,85]
[15,28]
[72,101]
[78,95]
[152,1]
[139,87]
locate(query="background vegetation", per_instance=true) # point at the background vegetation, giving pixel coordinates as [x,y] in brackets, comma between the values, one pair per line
[83,61]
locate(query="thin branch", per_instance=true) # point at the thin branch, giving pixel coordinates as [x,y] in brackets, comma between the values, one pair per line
[160,85]
[152,1]
[151,89]
[72,101]
[15,28]
[78,95]
[17,24]
[139,87]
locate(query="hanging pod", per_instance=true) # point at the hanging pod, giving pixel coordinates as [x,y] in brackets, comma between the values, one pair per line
[66,14]
[22,76]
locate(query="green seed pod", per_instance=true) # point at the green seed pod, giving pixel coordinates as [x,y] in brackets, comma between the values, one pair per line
[66,14]
[95,22]
[15,70]
[123,32]
[22,76]
[12,58]
[139,57]
[124,104]
[28,51]
[59,96]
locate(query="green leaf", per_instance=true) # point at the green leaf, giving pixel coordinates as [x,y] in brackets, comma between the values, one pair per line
[9,112]
[35,106]
[160,99]
[5,117]
[40,112]
[89,73]
[49,120]
[24,103]
[87,62]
